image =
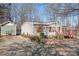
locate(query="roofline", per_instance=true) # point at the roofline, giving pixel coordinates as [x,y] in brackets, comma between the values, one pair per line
[6,23]
[43,23]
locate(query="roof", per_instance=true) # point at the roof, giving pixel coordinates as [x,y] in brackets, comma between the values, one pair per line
[41,23]
[5,23]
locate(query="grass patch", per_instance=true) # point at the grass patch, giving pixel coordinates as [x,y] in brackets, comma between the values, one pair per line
[57,37]
[25,35]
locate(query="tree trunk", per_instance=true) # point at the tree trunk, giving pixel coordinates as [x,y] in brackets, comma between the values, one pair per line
[78,28]
[0,31]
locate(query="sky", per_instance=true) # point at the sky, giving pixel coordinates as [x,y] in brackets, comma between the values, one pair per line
[41,10]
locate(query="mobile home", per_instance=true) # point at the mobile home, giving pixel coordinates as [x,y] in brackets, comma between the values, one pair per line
[35,28]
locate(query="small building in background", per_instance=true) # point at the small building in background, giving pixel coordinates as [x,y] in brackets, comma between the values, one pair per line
[8,28]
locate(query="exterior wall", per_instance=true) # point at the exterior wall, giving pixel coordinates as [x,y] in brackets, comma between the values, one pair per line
[27,28]
[8,28]
[36,29]
[55,29]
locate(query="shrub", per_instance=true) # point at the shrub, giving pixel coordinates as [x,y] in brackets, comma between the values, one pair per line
[52,37]
[38,39]
[60,37]
[56,37]
[24,35]
[35,38]
[42,35]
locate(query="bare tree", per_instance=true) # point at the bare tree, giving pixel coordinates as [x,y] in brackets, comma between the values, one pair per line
[26,12]
[4,12]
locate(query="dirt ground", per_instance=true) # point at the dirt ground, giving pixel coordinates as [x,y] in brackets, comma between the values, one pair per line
[6,40]
[20,46]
